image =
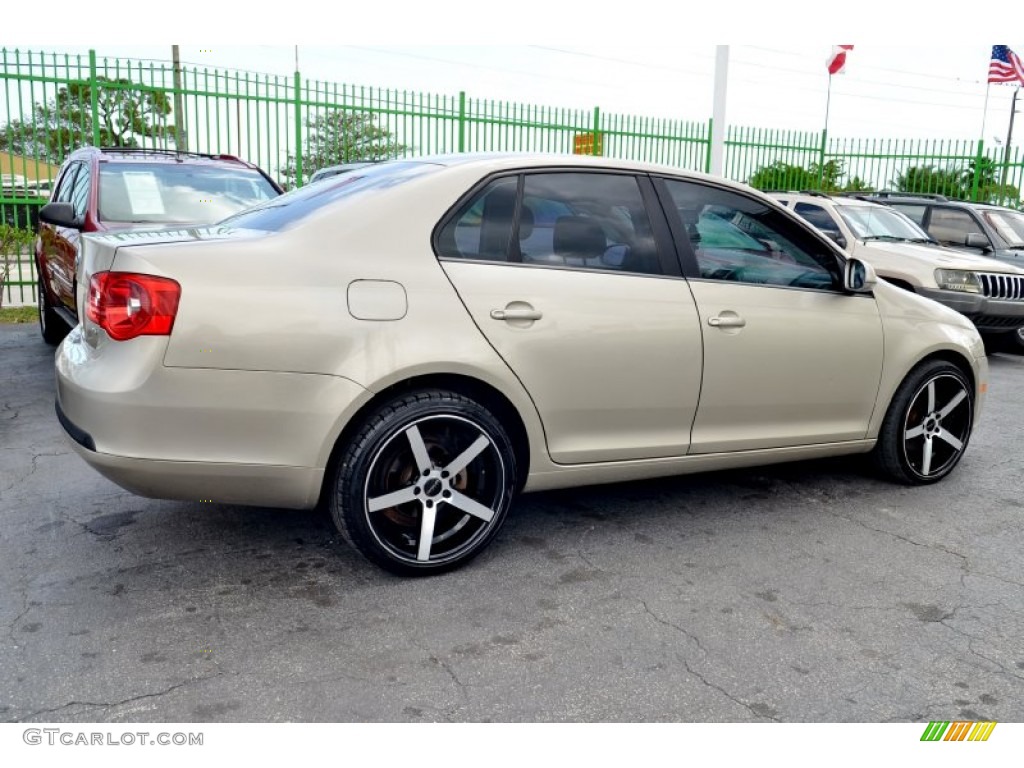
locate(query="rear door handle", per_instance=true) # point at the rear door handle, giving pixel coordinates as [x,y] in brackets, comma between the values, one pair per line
[516,314]
[727,320]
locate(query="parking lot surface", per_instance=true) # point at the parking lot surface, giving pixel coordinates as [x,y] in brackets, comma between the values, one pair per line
[803,592]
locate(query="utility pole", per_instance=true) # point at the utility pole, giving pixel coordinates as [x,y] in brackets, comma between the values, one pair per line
[1009,138]
[180,139]
[718,110]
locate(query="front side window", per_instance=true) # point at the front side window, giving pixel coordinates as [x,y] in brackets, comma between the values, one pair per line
[738,238]
[1009,225]
[66,185]
[80,192]
[951,227]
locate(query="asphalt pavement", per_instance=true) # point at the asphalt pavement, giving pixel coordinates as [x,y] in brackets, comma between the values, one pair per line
[805,592]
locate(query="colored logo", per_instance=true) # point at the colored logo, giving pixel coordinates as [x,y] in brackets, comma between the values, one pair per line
[958,731]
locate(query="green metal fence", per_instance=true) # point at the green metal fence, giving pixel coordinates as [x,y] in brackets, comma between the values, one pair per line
[50,104]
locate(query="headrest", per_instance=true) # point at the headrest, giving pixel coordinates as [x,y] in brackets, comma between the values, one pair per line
[525,222]
[577,237]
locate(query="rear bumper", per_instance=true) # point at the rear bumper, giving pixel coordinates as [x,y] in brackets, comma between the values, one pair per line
[242,437]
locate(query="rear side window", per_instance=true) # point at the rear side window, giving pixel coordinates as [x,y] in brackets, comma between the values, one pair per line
[817,216]
[562,219]
[913,212]
[482,227]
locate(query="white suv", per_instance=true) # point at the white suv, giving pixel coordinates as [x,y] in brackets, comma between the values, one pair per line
[989,292]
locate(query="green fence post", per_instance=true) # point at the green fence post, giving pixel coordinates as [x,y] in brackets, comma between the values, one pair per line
[821,158]
[598,149]
[462,121]
[979,158]
[707,152]
[94,99]
[298,130]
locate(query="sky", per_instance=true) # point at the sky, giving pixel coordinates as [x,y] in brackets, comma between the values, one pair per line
[903,79]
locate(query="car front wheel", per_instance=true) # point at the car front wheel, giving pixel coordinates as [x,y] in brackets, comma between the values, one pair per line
[927,426]
[424,485]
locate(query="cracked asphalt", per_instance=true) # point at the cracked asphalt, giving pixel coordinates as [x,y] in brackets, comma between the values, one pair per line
[806,592]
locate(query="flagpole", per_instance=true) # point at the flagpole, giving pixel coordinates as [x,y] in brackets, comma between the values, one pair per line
[984,114]
[824,134]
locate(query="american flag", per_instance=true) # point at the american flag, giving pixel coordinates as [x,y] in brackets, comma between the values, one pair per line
[1005,66]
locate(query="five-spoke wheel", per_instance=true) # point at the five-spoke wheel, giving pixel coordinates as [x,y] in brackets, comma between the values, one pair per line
[426,483]
[928,424]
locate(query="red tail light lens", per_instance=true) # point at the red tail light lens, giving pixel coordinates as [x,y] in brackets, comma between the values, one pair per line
[126,305]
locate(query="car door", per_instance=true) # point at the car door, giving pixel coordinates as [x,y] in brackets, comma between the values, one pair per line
[571,278]
[789,359]
[54,242]
[62,256]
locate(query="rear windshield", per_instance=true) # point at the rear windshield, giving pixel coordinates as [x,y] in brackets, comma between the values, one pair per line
[178,193]
[289,208]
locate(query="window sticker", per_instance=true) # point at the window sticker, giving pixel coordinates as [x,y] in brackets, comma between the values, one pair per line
[143,193]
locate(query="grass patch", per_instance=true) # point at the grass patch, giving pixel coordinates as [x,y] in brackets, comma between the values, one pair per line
[27,314]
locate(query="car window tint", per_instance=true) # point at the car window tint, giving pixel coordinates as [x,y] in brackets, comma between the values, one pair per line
[739,238]
[482,227]
[817,216]
[950,226]
[66,185]
[586,220]
[914,212]
[80,192]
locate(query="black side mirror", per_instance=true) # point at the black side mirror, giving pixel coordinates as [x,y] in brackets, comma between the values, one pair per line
[977,240]
[60,215]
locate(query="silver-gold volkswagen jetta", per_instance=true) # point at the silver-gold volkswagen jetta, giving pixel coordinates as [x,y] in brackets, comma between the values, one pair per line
[413,343]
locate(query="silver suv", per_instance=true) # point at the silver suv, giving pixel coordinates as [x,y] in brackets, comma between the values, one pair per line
[989,292]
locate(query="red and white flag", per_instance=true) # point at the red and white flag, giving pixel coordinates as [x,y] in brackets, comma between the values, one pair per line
[837,60]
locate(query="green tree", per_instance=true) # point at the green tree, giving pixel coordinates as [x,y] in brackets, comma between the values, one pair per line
[340,136]
[782,176]
[930,179]
[125,114]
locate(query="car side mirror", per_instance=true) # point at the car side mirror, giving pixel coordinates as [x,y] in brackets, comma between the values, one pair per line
[859,277]
[977,240]
[60,215]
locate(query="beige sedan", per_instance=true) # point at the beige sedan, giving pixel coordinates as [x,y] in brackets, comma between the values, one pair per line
[413,343]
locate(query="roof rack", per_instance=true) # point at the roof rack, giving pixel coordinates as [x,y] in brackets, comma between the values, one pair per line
[923,195]
[157,151]
[814,193]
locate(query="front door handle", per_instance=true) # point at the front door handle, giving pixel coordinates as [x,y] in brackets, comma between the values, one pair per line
[727,320]
[516,314]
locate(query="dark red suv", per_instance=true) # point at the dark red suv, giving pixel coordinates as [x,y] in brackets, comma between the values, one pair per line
[111,189]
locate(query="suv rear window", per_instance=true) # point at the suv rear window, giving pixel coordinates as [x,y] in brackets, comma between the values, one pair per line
[160,193]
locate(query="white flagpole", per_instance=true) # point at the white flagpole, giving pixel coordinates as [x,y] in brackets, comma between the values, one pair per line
[984,114]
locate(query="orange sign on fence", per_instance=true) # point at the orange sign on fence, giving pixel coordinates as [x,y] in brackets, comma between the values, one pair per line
[587,144]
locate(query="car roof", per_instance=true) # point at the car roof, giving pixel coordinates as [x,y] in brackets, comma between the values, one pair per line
[151,155]
[805,197]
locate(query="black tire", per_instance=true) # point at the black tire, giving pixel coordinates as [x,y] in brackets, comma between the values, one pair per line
[410,451]
[928,424]
[51,326]
[1013,342]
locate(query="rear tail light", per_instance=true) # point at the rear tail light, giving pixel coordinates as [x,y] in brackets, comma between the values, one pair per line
[126,305]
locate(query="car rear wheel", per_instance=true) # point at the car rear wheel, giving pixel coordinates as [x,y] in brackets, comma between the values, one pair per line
[425,484]
[927,426]
[51,326]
